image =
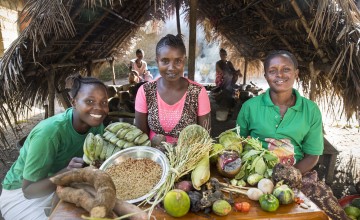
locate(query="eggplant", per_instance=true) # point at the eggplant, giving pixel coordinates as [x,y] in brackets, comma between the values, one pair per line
[229,163]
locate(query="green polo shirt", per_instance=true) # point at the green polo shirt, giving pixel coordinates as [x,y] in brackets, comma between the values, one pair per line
[49,147]
[302,123]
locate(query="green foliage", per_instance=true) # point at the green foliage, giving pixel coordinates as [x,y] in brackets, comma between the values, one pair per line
[121,70]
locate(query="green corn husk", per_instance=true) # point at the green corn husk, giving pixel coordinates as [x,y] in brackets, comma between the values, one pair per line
[201,173]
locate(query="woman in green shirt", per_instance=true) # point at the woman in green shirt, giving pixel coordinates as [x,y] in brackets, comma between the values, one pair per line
[53,146]
[284,121]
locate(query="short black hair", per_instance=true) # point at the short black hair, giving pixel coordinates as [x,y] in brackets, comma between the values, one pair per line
[222,50]
[276,53]
[139,51]
[172,41]
[74,83]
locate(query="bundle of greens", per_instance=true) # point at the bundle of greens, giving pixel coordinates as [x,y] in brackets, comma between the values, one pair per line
[194,143]
[256,159]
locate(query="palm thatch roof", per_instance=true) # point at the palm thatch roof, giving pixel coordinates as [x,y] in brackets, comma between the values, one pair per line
[68,36]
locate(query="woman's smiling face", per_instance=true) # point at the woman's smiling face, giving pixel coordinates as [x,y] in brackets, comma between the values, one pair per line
[171,62]
[281,73]
[90,106]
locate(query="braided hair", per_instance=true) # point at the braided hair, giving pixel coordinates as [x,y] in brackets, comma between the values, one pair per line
[171,41]
[276,53]
[73,83]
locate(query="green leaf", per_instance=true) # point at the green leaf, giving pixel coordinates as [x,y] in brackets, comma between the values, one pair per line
[270,157]
[250,154]
[254,163]
[260,166]
[241,173]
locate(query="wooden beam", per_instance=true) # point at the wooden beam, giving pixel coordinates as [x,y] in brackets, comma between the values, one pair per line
[287,44]
[84,37]
[51,92]
[308,30]
[111,62]
[177,4]
[192,39]
[245,71]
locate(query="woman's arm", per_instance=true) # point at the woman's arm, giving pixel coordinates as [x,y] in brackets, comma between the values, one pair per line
[205,121]
[307,163]
[44,187]
[141,122]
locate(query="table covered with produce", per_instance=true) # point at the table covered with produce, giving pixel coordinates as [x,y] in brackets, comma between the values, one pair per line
[230,177]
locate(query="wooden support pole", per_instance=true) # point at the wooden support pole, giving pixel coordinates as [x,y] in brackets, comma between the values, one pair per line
[245,71]
[51,92]
[113,71]
[313,76]
[177,2]
[192,39]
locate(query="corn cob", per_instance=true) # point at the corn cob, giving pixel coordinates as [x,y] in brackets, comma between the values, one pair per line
[114,139]
[109,136]
[146,143]
[116,150]
[103,152]
[123,132]
[118,125]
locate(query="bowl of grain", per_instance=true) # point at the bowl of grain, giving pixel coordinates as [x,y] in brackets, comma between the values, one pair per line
[137,172]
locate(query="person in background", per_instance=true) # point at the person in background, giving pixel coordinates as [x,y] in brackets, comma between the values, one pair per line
[139,67]
[284,121]
[226,78]
[170,103]
[52,147]
[226,75]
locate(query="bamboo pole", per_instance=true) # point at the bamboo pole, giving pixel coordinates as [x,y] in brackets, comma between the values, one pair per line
[51,92]
[313,76]
[113,71]
[177,4]
[307,29]
[245,70]
[192,39]
[287,44]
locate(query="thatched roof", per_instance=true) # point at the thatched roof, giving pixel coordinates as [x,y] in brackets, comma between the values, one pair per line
[64,37]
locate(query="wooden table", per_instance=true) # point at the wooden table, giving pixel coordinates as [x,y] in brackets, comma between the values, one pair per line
[64,211]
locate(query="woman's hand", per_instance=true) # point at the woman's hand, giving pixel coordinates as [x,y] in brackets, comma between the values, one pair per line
[75,163]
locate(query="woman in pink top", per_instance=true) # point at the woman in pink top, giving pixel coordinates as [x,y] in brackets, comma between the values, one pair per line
[170,103]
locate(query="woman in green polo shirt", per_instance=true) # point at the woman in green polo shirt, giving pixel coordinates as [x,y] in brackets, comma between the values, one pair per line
[53,146]
[284,121]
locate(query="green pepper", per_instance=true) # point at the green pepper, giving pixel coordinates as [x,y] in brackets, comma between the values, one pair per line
[269,202]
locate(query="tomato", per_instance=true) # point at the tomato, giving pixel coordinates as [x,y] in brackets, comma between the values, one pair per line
[242,206]
[269,202]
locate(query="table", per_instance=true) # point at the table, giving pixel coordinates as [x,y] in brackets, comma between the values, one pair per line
[64,211]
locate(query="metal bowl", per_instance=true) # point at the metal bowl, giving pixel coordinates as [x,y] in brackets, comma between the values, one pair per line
[140,152]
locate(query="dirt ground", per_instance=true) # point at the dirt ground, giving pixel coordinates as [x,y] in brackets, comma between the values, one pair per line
[344,136]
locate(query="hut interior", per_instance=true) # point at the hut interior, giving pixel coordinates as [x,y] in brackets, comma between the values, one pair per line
[70,36]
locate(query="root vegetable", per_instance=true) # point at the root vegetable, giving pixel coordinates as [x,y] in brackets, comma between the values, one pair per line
[121,208]
[266,185]
[184,185]
[83,199]
[100,180]
[254,194]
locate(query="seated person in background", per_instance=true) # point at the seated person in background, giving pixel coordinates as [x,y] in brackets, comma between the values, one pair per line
[226,77]
[284,121]
[171,102]
[140,66]
[53,146]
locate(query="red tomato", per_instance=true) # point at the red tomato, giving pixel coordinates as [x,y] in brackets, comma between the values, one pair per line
[242,206]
